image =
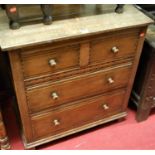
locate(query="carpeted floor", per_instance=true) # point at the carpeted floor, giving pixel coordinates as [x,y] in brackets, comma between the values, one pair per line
[124,134]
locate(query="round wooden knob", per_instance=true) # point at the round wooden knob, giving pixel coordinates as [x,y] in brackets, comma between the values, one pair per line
[56,122]
[52,62]
[115,49]
[54,95]
[110,80]
[105,106]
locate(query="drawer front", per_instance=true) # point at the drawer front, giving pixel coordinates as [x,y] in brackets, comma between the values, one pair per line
[46,60]
[78,88]
[88,111]
[113,47]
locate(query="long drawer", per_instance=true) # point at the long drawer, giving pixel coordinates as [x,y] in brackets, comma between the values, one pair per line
[87,111]
[47,60]
[83,86]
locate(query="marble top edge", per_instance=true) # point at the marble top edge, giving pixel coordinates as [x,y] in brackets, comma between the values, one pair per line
[69,28]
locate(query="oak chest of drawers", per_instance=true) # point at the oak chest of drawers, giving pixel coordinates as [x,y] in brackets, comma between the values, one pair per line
[74,79]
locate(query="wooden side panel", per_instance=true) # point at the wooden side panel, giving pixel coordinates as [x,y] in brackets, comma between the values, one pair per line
[135,64]
[20,93]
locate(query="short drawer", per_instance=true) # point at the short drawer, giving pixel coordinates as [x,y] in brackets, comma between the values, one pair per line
[112,47]
[83,86]
[87,111]
[44,60]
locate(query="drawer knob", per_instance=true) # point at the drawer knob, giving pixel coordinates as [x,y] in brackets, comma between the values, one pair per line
[110,80]
[105,106]
[55,96]
[153,98]
[56,122]
[52,62]
[115,49]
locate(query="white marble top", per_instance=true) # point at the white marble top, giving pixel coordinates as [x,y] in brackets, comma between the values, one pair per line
[68,28]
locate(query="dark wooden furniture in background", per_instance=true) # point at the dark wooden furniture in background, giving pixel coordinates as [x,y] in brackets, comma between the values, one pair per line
[15,19]
[143,93]
[14,16]
[5,93]
[4,143]
[74,74]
